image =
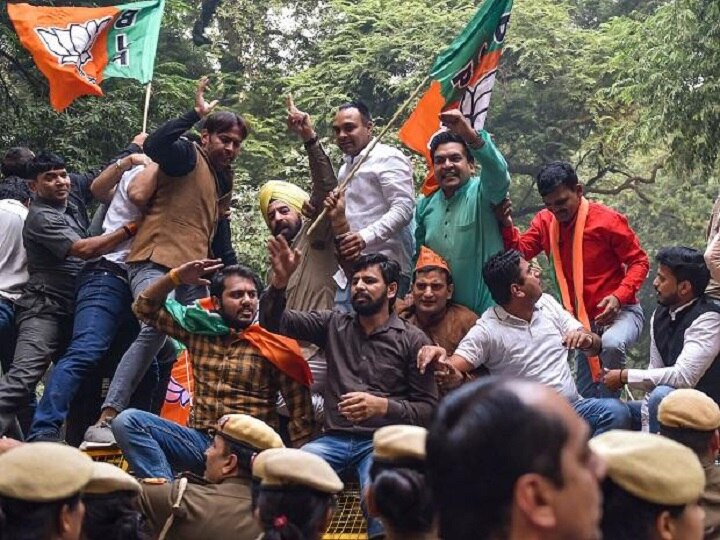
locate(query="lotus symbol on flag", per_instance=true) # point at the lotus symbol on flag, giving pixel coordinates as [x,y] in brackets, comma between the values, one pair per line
[72,45]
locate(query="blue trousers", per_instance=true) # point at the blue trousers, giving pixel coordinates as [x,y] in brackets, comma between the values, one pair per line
[102,306]
[346,451]
[652,399]
[604,414]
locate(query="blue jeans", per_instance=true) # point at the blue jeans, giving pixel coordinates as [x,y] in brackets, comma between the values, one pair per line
[652,402]
[343,451]
[158,448]
[622,334]
[102,306]
[604,414]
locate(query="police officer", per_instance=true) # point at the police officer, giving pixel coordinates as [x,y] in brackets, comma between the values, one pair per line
[692,418]
[40,486]
[297,494]
[217,506]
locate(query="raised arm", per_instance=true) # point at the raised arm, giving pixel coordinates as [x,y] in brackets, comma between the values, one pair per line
[103,187]
[177,156]
[142,187]
[529,243]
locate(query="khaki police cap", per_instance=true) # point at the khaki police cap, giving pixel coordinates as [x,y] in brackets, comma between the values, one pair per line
[250,431]
[289,466]
[258,464]
[397,443]
[107,478]
[688,408]
[43,472]
[651,467]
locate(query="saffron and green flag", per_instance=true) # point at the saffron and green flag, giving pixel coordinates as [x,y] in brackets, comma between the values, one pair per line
[77,47]
[463,77]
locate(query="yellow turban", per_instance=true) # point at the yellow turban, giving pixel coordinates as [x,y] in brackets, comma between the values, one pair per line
[276,190]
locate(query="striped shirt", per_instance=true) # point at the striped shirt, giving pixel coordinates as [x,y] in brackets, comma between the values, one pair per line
[231,376]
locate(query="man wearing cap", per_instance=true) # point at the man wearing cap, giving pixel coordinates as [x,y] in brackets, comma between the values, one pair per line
[684,336]
[457,220]
[217,506]
[691,418]
[431,307]
[529,448]
[651,489]
[40,488]
[529,335]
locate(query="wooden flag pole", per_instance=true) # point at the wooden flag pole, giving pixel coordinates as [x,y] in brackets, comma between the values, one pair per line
[343,186]
[148,91]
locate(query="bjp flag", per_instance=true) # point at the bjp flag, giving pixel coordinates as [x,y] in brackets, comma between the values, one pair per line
[463,78]
[179,393]
[76,47]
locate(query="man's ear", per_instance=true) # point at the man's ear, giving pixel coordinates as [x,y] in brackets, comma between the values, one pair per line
[579,190]
[32,184]
[204,136]
[685,288]
[392,291]
[451,289]
[533,499]
[516,292]
[664,526]
[217,305]
[231,464]
[65,519]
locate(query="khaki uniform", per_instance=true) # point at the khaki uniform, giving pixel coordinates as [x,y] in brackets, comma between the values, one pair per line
[710,502]
[217,511]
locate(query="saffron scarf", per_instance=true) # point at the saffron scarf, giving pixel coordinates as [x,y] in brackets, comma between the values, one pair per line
[576,305]
[284,353]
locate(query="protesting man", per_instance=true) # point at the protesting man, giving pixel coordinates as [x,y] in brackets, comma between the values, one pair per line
[684,337]
[597,262]
[457,221]
[218,505]
[194,188]
[509,459]
[372,380]
[57,246]
[102,299]
[238,367]
[527,334]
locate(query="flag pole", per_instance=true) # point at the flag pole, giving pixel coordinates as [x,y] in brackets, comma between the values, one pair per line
[148,90]
[343,186]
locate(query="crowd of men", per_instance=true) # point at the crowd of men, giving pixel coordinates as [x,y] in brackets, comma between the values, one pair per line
[384,317]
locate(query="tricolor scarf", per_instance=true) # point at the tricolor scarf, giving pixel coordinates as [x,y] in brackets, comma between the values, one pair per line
[576,305]
[201,318]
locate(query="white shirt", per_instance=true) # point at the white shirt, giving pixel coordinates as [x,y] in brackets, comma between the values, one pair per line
[380,202]
[121,212]
[512,347]
[701,347]
[13,259]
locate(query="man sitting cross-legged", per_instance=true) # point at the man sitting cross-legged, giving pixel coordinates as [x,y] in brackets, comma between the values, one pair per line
[372,379]
[237,366]
[528,334]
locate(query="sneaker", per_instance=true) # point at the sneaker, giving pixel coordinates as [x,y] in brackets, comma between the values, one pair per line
[100,433]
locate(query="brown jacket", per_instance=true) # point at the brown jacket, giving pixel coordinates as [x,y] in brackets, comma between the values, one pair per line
[181,218]
[710,501]
[218,511]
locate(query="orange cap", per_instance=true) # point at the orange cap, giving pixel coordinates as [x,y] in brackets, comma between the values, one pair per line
[428,257]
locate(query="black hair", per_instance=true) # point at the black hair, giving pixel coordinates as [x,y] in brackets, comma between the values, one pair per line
[484,434]
[686,264]
[428,269]
[402,497]
[25,520]
[244,453]
[16,188]
[445,137]
[42,163]
[389,268]
[223,121]
[217,282]
[554,175]
[627,517]
[114,516]
[293,512]
[697,441]
[360,106]
[15,161]
[500,272]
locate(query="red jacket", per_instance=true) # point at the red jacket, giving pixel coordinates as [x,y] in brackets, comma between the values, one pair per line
[614,262]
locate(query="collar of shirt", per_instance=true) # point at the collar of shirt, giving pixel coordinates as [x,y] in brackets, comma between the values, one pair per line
[454,196]
[509,318]
[349,160]
[393,322]
[674,311]
[62,207]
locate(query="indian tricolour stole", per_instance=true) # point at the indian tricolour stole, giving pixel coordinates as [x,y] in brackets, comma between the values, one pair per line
[576,305]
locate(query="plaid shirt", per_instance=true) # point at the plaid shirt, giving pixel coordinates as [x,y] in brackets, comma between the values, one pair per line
[231,376]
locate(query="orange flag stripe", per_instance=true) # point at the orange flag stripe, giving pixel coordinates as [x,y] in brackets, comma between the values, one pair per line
[66,83]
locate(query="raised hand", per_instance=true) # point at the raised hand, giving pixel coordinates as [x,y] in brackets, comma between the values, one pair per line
[139,139]
[202,107]
[503,212]
[284,260]
[334,204]
[457,123]
[299,122]
[194,272]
